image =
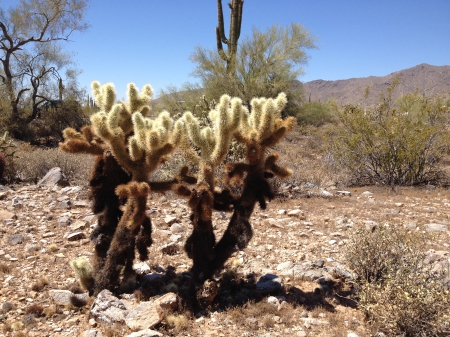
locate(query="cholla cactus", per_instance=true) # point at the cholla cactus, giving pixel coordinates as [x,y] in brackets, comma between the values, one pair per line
[259,130]
[213,143]
[128,147]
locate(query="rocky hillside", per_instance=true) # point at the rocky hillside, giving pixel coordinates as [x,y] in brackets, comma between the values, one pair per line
[430,80]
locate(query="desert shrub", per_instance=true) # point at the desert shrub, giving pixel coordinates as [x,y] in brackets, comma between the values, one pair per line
[391,144]
[315,113]
[48,128]
[401,292]
[32,163]
[6,153]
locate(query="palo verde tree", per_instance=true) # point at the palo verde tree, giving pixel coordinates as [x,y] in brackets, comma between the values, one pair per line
[128,146]
[24,30]
[268,62]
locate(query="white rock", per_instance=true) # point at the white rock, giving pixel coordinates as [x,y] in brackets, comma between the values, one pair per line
[295,212]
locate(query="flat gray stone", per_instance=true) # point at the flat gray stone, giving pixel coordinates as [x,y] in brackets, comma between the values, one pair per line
[53,177]
[16,239]
[144,316]
[170,219]
[62,297]
[64,220]
[435,227]
[76,236]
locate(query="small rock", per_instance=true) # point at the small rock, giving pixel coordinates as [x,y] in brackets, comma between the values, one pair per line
[272,300]
[32,247]
[325,193]
[48,234]
[170,219]
[313,321]
[285,265]
[269,284]
[168,301]
[344,193]
[146,333]
[76,236]
[295,212]
[16,239]
[62,297]
[170,248]
[175,237]
[92,333]
[77,225]
[176,228]
[64,220]
[435,227]
[6,215]
[141,267]
[144,316]
[108,308]
[53,177]
[65,204]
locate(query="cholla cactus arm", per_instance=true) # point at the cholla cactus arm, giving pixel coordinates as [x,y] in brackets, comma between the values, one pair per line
[226,122]
[139,144]
[214,142]
[137,101]
[85,142]
[105,95]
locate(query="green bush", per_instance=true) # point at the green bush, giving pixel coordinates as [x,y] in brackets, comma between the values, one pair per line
[391,144]
[401,292]
[315,113]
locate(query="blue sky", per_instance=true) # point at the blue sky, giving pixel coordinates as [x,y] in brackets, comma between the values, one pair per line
[149,41]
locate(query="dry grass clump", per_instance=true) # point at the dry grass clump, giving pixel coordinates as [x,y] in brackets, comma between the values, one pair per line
[4,268]
[52,248]
[40,284]
[32,163]
[400,291]
[35,309]
[260,315]
[178,322]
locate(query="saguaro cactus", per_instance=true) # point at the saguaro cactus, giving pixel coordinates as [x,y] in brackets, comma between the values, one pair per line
[229,57]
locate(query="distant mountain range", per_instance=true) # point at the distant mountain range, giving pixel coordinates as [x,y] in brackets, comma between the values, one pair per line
[430,80]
